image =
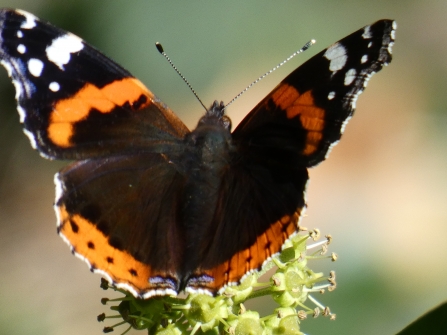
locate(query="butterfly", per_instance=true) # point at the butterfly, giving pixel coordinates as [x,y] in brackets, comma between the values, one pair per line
[154,207]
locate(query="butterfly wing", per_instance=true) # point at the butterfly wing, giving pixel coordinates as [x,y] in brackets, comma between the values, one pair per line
[74,102]
[293,128]
[119,216]
[114,206]
[305,115]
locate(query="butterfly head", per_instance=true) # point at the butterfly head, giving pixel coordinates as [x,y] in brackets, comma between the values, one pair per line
[215,115]
[212,136]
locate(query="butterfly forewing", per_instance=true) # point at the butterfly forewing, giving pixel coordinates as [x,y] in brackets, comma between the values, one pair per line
[75,102]
[305,114]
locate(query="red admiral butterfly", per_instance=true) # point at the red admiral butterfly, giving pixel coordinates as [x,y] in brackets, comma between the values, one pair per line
[156,208]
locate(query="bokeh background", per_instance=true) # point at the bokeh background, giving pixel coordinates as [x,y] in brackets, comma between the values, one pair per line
[382,194]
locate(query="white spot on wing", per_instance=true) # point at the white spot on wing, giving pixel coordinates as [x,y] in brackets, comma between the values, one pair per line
[362,78]
[303,211]
[364,59]
[30,20]
[204,291]
[390,49]
[21,49]
[31,138]
[22,113]
[336,53]
[367,78]
[345,122]
[54,86]
[353,102]
[19,34]
[35,67]
[370,44]
[59,192]
[367,32]
[350,76]
[329,149]
[61,48]
[331,95]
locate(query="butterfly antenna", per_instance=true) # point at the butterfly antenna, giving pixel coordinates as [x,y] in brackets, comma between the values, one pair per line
[304,48]
[160,50]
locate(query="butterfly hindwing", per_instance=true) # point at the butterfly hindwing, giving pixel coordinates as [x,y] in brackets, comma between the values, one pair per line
[267,209]
[119,215]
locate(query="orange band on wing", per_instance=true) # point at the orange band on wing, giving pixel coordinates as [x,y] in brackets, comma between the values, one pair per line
[92,244]
[311,117]
[252,258]
[76,108]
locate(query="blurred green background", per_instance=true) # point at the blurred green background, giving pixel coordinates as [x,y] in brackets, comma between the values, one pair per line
[382,194]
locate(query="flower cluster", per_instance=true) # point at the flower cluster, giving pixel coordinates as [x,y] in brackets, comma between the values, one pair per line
[290,286]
